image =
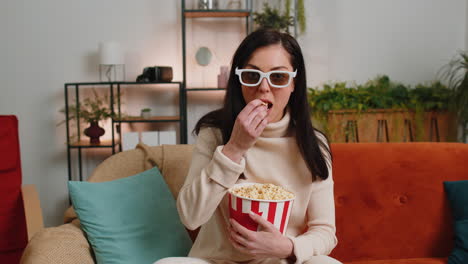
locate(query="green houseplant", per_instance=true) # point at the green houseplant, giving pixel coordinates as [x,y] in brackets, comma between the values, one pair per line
[91,110]
[301,17]
[455,73]
[272,19]
[377,104]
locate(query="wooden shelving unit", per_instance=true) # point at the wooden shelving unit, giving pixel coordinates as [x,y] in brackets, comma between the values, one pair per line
[115,104]
[205,89]
[132,119]
[242,14]
[87,144]
[216,13]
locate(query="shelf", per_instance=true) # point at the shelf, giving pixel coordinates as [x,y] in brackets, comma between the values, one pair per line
[86,144]
[142,83]
[205,89]
[193,13]
[153,119]
[121,83]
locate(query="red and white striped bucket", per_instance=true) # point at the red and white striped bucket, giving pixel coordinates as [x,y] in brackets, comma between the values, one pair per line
[276,212]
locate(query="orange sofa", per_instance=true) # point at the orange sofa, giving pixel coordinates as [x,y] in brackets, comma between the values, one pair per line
[390,202]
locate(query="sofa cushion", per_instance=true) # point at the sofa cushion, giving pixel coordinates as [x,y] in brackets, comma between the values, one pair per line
[403,261]
[457,194]
[390,201]
[130,220]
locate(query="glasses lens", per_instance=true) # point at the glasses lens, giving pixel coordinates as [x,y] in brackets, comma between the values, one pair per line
[250,77]
[279,78]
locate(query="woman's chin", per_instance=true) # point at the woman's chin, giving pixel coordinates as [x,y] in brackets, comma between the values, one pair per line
[272,117]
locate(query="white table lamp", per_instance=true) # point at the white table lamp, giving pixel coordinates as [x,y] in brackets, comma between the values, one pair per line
[111,60]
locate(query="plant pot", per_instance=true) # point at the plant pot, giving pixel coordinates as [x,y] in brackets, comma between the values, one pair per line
[389,125]
[439,126]
[94,131]
[146,114]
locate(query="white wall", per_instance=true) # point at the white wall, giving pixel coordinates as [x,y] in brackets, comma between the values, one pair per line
[407,40]
[466,49]
[466,28]
[47,43]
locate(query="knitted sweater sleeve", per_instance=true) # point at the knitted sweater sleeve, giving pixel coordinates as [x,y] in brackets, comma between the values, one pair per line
[320,238]
[210,175]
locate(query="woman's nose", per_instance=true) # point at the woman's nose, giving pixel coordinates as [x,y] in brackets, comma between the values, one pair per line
[264,85]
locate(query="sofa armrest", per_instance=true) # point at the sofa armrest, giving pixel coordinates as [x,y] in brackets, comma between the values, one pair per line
[32,210]
[65,244]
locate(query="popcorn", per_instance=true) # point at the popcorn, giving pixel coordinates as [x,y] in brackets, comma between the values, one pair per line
[263,192]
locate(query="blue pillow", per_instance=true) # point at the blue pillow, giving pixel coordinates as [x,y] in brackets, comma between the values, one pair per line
[130,220]
[457,194]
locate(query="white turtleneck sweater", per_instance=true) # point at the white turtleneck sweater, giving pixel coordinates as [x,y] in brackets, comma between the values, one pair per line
[274,158]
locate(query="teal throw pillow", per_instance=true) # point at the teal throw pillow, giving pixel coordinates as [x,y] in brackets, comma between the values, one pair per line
[130,220]
[457,194]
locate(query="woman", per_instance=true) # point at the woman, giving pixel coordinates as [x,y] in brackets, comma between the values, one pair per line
[262,134]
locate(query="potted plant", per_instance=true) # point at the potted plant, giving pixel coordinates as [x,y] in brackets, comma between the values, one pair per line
[455,73]
[432,115]
[381,110]
[301,17]
[146,113]
[271,18]
[91,110]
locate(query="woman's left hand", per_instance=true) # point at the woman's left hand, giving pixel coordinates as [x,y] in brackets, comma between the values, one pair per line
[261,244]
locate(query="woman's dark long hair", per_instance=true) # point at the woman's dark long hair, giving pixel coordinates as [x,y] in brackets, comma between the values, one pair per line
[301,124]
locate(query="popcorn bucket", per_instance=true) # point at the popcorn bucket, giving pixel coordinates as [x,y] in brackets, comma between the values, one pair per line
[276,212]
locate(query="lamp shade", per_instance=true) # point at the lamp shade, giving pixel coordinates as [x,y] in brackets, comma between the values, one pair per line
[110,53]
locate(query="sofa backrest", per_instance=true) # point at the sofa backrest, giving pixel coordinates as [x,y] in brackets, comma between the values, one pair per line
[390,200]
[172,160]
[389,197]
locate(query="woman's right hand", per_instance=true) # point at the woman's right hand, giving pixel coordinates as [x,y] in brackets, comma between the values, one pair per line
[249,124]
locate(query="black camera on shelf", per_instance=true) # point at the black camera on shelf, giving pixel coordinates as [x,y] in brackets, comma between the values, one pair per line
[156,74]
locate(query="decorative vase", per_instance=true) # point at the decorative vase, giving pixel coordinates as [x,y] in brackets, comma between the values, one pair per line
[94,131]
[146,114]
[234,4]
[207,4]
